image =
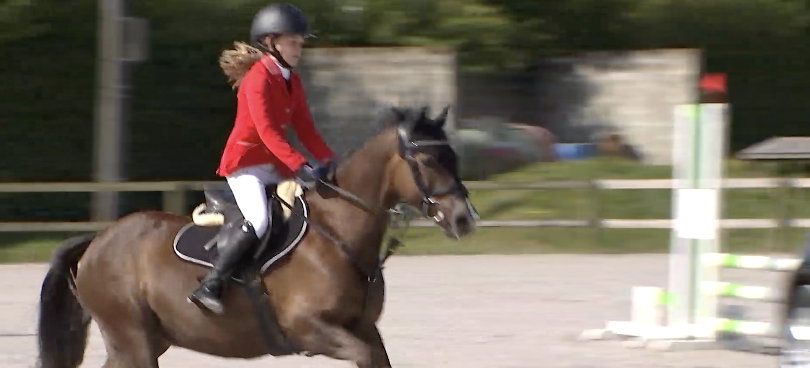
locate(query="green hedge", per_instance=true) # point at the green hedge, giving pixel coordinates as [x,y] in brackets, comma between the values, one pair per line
[181,107]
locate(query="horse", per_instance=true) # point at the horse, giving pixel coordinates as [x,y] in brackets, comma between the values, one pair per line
[320,294]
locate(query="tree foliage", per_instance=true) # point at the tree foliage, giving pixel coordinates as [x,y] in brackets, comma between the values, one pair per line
[492,34]
[720,24]
[49,59]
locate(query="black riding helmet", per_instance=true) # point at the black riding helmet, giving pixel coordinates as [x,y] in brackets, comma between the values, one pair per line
[277,19]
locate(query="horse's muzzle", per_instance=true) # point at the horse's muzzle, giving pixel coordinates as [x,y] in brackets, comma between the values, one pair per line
[460,222]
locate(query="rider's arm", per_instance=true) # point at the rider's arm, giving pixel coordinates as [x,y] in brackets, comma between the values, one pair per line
[307,133]
[256,90]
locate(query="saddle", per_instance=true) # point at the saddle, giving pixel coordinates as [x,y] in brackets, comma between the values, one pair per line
[196,242]
[220,205]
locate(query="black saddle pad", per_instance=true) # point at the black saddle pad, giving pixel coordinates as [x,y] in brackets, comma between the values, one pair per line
[189,244]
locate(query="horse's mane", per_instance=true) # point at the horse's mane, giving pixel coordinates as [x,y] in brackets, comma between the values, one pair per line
[389,118]
[386,119]
[393,116]
[236,62]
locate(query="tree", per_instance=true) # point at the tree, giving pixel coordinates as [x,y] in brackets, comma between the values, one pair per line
[719,24]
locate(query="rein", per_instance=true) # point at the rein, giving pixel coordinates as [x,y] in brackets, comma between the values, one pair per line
[343,245]
[348,196]
[407,148]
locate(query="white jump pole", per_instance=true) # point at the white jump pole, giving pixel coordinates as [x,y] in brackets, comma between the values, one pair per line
[688,307]
[700,139]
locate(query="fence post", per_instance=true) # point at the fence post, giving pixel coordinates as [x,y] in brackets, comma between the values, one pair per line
[785,192]
[174,200]
[595,188]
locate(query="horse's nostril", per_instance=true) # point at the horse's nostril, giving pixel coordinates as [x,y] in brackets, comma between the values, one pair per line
[462,223]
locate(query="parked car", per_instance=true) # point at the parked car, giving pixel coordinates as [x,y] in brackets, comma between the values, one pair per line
[498,147]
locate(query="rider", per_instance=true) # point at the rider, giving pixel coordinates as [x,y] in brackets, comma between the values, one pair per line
[270,99]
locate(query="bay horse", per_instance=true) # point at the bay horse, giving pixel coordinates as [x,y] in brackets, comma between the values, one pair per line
[323,296]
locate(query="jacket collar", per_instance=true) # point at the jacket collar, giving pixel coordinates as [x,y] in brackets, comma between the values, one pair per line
[273,67]
[275,71]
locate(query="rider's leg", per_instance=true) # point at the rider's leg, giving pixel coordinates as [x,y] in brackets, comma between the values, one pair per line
[249,191]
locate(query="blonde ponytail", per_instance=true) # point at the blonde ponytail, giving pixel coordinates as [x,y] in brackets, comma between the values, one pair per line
[237,61]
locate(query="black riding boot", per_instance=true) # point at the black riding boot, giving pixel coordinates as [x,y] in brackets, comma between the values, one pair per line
[237,239]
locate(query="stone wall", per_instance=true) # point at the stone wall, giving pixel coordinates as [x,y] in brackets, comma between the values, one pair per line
[591,95]
[347,87]
[587,96]
[580,98]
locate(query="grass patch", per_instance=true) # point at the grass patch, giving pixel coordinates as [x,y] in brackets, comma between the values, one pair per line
[582,204]
[27,248]
[567,204]
[590,241]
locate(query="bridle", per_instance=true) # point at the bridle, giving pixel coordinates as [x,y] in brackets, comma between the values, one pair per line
[429,205]
[407,149]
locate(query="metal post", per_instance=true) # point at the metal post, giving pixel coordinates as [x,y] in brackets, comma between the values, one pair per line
[121,40]
[109,114]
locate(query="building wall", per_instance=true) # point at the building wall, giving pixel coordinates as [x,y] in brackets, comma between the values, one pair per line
[580,98]
[586,96]
[633,94]
[348,87]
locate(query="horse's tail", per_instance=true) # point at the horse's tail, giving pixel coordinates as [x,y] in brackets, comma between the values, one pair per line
[62,327]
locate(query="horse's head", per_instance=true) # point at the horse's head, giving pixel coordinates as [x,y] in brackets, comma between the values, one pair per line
[426,172]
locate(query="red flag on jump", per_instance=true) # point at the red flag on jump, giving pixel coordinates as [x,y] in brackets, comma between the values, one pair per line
[713,82]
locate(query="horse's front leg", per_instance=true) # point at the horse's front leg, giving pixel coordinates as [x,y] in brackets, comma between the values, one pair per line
[322,338]
[369,333]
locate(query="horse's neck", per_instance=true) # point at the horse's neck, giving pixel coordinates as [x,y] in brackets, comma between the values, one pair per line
[365,175]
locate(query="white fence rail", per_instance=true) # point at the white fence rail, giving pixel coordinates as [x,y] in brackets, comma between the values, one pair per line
[174,200]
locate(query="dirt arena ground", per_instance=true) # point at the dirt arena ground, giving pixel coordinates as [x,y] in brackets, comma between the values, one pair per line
[455,311]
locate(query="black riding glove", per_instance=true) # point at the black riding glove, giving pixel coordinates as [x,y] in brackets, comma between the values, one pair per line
[311,175]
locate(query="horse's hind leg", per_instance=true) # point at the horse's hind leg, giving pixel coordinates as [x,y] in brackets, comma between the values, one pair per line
[130,346]
[132,338]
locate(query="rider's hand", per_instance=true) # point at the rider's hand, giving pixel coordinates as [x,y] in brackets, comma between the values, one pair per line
[330,167]
[311,175]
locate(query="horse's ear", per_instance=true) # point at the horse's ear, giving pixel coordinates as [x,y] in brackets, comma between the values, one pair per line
[412,119]
[423,112]
[398,114]
[442,118]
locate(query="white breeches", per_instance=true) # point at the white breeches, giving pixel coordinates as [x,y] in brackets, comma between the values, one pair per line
[248,187]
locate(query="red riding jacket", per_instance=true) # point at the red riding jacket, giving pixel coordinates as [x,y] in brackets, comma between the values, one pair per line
[265,109]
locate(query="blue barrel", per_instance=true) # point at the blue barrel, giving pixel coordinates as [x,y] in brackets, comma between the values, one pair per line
[574,151]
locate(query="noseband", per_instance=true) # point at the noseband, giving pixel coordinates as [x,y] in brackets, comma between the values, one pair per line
[407,149]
